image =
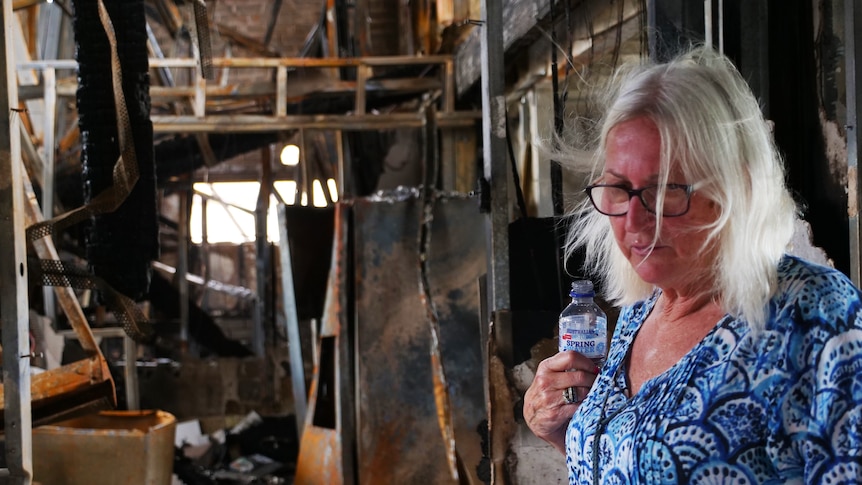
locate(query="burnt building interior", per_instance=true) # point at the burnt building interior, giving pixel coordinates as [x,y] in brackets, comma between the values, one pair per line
[318,241]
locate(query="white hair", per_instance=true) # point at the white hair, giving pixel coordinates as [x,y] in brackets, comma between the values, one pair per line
[711,126]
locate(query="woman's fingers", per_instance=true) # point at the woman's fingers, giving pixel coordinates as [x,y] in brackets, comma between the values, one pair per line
[567,361]
[547,410]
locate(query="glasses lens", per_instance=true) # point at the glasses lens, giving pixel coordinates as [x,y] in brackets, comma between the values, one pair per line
[675,200]
[611,201]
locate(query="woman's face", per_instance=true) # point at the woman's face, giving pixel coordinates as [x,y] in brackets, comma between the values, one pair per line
[678,260]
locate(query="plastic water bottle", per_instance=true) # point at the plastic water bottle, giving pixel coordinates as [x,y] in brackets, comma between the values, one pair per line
[583,325]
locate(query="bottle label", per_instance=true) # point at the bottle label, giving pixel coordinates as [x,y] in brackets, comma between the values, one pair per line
[581,334]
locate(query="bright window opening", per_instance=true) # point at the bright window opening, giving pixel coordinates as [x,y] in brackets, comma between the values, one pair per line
[230,209]
[290,155]
[287,190]
[319,196]
[333,189]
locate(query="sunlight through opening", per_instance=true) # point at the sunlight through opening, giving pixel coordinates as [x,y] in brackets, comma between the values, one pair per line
[319,198]
[333,190]
[290,155]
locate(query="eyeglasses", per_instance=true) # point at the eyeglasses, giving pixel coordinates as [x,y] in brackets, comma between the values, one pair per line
[613,200]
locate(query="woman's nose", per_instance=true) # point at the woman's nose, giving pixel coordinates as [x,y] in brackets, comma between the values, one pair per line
[638,216]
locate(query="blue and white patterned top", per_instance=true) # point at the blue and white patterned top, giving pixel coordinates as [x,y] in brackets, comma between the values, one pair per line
[784,406]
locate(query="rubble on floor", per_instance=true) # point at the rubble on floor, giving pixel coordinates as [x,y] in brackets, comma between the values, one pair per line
[257,451]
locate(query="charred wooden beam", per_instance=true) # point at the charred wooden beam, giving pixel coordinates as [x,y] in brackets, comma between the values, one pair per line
[172,19]
[245,41]
[267,124]
[521,22]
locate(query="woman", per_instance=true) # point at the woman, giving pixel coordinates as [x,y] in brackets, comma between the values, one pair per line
[731,362]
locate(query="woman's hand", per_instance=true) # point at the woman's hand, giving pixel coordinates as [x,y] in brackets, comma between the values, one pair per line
[545,409]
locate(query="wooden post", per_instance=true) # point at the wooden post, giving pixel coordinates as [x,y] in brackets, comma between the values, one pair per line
[13,270]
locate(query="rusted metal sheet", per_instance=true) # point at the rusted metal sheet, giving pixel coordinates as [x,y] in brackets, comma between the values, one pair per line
[390,349]
[326,448]
[69,378]
[70,390]
[319,457]
[399,437]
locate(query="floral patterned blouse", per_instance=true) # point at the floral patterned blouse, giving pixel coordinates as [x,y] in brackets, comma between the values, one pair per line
[783,406]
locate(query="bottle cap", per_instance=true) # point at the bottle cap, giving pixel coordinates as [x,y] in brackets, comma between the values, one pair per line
[582,289]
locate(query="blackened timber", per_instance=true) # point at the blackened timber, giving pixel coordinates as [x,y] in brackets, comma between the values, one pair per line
[526,21]
[295,89]
[523,23]
[245,41]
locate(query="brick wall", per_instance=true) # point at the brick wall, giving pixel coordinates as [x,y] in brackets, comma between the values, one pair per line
[252,17]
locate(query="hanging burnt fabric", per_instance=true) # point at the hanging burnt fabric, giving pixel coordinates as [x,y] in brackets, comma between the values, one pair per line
[123,236]
[120,243]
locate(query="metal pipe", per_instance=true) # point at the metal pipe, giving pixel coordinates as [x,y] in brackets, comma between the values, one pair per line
[291,322]
[262,256]
[496,169]
[853,19]
[183,267]
[497,175]
[49,81]
[721,26]
[707,22]
[652,29]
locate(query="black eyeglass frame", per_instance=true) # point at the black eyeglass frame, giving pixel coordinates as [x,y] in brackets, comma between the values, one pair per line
[689,190]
